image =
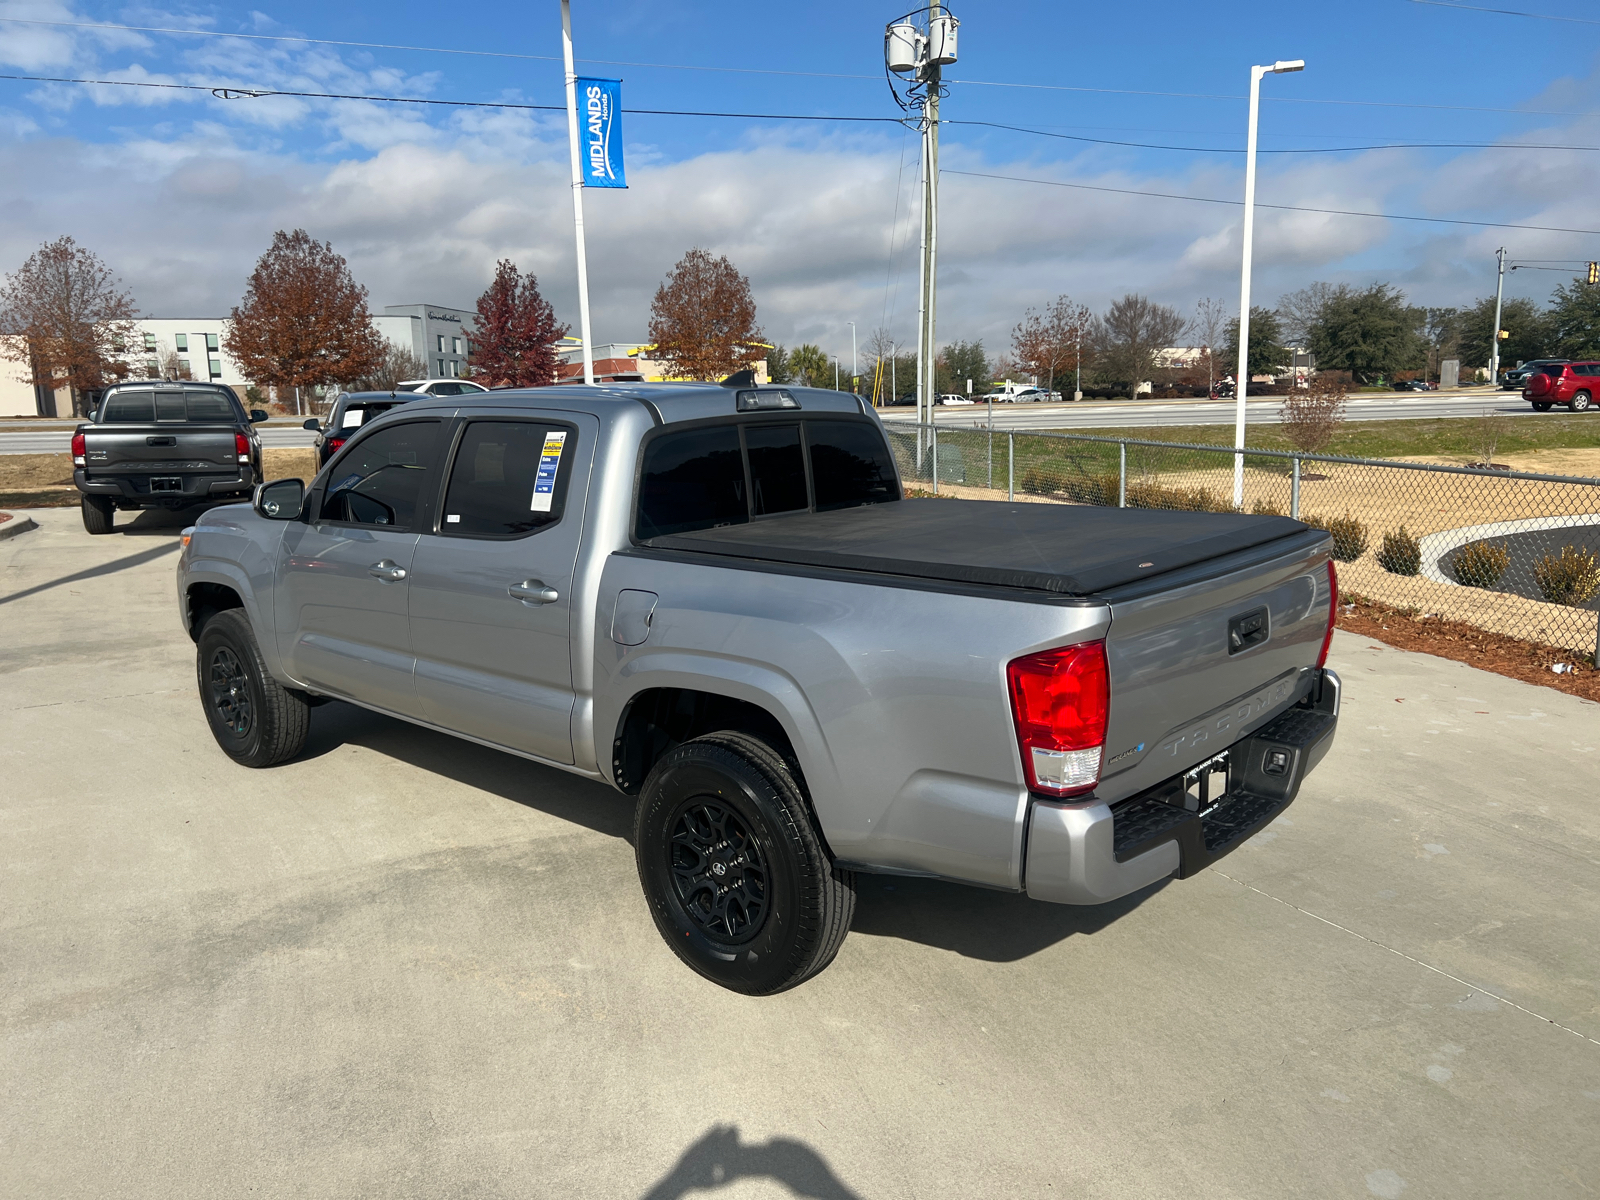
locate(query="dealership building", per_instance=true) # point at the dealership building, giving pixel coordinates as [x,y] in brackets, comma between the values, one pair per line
[438,335]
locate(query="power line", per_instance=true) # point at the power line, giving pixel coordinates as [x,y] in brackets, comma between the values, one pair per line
[1074,137]
[228,92]
[1049,87]
[1337,212]
[1506,12]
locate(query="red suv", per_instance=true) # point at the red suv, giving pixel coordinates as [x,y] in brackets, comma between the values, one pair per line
[1574,384]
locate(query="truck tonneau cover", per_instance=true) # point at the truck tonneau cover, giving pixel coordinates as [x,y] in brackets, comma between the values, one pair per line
[1069,550]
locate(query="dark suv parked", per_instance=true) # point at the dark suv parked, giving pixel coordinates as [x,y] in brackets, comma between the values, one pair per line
[351,410]
[1572,384]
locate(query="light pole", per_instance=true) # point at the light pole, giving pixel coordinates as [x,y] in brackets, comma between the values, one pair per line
[1494,334]
[1243,370]
[577,192]
[854,366]
[836,372]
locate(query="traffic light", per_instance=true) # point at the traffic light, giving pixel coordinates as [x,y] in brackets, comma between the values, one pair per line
[1504,334]
[1594,272]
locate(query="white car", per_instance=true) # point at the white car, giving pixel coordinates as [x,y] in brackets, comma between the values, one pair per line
[956,398]
[440,387]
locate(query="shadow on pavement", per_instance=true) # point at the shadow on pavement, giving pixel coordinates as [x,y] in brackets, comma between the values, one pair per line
[976,922]
[110,568]
[593,805]
[719,1159]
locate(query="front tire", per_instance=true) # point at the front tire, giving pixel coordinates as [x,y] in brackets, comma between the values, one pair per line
[98,514]
[1580,402]
[255,720]
[736,879]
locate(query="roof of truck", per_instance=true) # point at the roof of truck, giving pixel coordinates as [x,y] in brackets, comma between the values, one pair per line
[671,402]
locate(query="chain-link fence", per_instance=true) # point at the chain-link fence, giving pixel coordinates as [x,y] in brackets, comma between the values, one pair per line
[1507,551]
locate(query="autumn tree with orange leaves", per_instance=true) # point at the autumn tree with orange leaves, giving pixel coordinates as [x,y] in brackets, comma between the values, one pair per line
[703,319]
[514,340]
[303,321]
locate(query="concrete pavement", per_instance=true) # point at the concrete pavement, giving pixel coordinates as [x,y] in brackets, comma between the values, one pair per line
[406,966]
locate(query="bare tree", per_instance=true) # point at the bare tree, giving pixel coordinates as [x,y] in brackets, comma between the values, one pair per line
[303,321]
[1209,327]
[393,367]
[67,319]
[1311,416]
[514,342]
[1132,334]
[1300,311]
[1048,342]
[174,367]
[703,318]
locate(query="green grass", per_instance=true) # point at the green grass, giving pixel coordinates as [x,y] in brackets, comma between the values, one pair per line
[1391,439]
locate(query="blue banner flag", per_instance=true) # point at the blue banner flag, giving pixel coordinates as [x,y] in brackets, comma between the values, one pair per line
[600,132]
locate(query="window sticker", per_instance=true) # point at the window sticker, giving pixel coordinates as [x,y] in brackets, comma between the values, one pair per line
[352,418]
[453,519]
[544,483]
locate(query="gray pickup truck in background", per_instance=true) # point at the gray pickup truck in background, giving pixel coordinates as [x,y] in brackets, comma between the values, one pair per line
[717,599]
[164,444]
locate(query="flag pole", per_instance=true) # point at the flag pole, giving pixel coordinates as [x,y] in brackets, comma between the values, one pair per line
[577,192]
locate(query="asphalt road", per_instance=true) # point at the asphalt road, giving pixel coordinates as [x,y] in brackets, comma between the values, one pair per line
[406,966]
[38,437]
[1087,414]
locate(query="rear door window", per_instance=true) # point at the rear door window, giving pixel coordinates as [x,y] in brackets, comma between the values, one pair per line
[692,479]
[170,407]
[850,464]
[380,480]
[508,478]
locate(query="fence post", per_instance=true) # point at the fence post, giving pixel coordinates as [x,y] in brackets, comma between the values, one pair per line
[1122,474]
[1011,466]
[991,449]
[934,431]
[1294,491]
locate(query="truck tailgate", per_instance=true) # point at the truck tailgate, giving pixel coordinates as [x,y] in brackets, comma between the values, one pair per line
[157,449]
[1213,655]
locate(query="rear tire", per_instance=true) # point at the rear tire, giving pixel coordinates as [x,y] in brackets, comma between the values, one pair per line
[1541,406]
[737,880]
[97,514]
[257,721]
[1580,402]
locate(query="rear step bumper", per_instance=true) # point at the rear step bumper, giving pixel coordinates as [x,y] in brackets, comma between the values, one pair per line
[1089,854]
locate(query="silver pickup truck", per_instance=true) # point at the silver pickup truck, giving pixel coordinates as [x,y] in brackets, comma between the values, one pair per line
[718,599]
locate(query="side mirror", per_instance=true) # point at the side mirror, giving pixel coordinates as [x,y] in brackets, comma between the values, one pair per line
[314,425]
[257,415]
[280,500]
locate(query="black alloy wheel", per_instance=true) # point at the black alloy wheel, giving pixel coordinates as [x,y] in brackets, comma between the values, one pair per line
[736,878]
[256,720]
[1580,402]
[230,692]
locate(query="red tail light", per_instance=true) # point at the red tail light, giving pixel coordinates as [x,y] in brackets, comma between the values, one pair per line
[1333,613]
[1060,700]
[78,450]
[241,445]
[334,445]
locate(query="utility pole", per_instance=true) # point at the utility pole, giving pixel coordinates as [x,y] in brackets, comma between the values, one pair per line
[855,368]
[1494,334]
[1256,75]
[577,192]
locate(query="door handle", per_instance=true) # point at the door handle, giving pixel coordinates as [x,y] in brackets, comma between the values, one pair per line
[387,571]
[533,591]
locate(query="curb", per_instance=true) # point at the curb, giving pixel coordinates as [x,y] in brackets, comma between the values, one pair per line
[16,525]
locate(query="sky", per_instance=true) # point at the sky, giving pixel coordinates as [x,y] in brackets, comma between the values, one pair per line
[180,191]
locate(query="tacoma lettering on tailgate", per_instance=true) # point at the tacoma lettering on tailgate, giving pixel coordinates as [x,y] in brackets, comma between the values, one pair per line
[1220,725]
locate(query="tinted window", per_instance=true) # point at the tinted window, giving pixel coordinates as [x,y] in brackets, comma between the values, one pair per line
[509,477]
[129,408]
[850,464]
[692,480]
[169,407]
[777,468]
[210,406]
[1552,369]
[355,415]
[379,480]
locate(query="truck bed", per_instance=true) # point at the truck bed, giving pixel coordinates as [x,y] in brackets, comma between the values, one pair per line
[1067,550]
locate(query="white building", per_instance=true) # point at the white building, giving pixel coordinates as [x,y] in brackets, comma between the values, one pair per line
[439,336]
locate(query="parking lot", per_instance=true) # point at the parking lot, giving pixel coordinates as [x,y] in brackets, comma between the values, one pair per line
[408,966]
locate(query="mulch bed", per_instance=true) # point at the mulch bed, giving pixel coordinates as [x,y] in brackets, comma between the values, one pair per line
[1408,629]
[43,498]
